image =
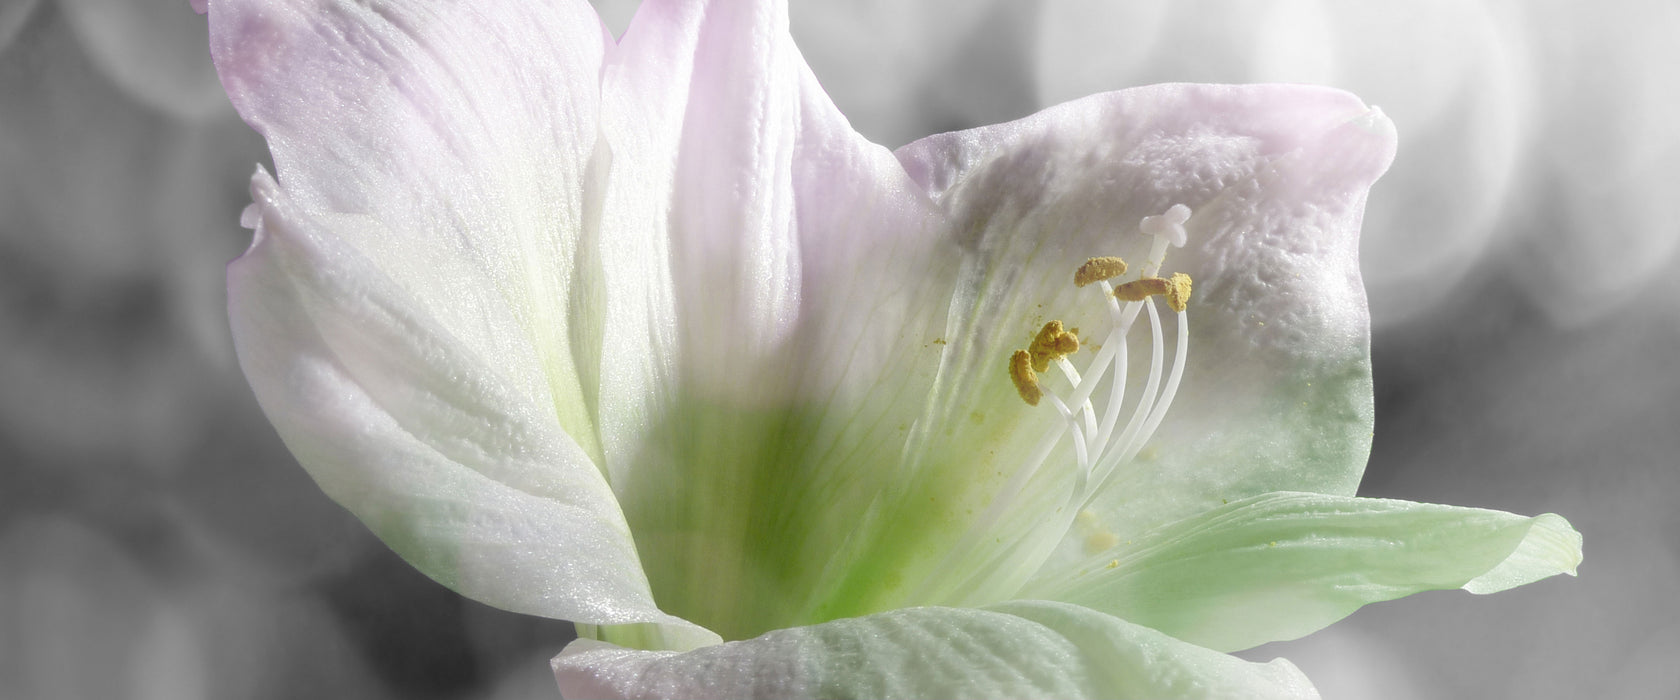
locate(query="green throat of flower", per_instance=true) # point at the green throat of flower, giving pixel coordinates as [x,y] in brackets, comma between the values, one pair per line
[772,515]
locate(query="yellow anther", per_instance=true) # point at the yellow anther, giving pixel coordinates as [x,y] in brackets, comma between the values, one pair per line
[1052,342]
[1026,381]
[1178,291]
[1099,269]
[1140,289]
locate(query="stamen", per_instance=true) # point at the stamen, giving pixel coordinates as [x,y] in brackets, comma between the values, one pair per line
[1151,409]
[1099,269]
[1051,343]
[1081,455]
[1116,344]
[1026,381]
[1140,289]
[1087,410]
[1146,400]
[1178,292]
[1096,457]
[1171,390]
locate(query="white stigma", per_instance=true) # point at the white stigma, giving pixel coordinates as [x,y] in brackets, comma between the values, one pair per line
[1168,225]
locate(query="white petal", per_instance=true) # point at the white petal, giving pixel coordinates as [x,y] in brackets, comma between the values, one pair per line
[455,461]
[773,292]
[1277,392]
[1466,106]
[1016,650]
[465,131]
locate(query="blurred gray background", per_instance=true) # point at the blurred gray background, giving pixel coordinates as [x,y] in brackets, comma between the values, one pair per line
[157,541]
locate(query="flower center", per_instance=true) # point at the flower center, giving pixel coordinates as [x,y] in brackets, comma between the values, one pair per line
[1098,450]
[1100,442]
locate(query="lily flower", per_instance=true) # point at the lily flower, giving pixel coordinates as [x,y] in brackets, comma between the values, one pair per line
[641,335]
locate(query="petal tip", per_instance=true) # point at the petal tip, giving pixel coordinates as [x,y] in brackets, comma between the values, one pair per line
[1370,140]
[1550,547]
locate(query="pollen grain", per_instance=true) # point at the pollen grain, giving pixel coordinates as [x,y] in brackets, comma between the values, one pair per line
[1178,291]
[1101,541]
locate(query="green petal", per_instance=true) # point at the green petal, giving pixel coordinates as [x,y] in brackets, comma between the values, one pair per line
[1282,565]
[1022,649]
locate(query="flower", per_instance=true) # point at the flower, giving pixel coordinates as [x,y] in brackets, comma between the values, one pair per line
[642,335]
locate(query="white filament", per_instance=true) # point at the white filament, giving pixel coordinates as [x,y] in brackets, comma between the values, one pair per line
[1180,350]
[1079,450]
[1086,410]
[1117,388]
[1097,452]
[1146,400]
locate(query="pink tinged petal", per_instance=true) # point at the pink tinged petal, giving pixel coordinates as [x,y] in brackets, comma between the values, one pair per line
[1016,650]
[454,459]
[464,131]
[1277,394]
[771,275]
[1279,361]
[703,132]
[734,173]
[1465,103]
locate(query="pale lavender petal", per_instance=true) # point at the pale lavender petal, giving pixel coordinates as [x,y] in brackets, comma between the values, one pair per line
[454,461]
[1277,392]
[412,315]
[773,286]
[464,130]
[1465,105]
